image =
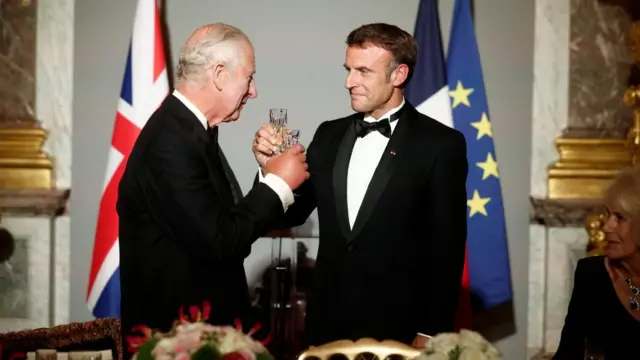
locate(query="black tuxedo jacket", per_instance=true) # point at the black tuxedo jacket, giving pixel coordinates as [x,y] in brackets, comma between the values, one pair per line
[183,240]
[398,271]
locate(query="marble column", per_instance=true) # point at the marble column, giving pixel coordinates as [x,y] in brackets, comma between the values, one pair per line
[17,60]
[54,101]
[581,67]
[54,74]
[599,68]
[36,79]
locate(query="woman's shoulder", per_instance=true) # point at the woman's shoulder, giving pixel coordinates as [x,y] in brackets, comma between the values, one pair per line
[591,265]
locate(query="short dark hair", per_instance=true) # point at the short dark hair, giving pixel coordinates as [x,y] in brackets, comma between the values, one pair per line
[399,43]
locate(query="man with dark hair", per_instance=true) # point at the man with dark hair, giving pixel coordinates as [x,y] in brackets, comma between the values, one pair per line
[389,185]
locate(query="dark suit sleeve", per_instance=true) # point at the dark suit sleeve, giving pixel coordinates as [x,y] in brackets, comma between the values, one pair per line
[188,202]
[446,212]
[301,209]
[304,197]
[573,335]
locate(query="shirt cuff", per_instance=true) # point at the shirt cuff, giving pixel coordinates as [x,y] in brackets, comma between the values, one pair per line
[280,187]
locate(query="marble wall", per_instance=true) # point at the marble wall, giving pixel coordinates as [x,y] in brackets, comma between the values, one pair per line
[54,85]
[550,87]
[581,68]
[553,255]
[599,67]
[17,59]
[36,78]
[27,278]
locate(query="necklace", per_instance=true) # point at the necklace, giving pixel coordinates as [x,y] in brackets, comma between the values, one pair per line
[633,301]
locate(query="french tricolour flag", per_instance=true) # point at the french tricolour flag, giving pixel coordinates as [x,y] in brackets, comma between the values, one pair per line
[428,90]
[144,87]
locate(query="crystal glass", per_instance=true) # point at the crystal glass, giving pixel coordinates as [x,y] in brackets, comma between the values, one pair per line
[285,138]
[290,138]
[278,118]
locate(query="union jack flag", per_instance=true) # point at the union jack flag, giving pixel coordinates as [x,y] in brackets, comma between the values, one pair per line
[144,87]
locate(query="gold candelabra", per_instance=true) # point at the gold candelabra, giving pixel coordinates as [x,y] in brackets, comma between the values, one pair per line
[632,99]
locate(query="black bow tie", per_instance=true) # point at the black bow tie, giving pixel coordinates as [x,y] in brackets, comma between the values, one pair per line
[383,126]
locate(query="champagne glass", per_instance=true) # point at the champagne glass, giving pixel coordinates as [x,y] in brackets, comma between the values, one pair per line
[278,119]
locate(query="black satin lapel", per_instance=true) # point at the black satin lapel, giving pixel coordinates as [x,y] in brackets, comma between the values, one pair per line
[340,171]
[384,170]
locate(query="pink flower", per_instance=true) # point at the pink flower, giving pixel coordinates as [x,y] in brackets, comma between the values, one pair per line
[253,330]
[135,341]
[190,339]
[195,315]
[266,340]
[183,356]
[238,355]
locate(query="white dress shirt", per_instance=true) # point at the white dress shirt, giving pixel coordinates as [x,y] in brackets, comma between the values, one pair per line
[366,155]
[367,152]
[278,185]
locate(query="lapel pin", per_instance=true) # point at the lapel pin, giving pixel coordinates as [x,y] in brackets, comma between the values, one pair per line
[393,153]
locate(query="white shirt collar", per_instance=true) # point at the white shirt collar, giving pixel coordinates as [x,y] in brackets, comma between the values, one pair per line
[387,115]
[191,107]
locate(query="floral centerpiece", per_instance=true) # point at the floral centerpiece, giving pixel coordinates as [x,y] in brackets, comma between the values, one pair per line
[192,338]
[466,345]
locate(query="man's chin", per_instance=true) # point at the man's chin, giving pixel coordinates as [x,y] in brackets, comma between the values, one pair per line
[235,116]
[358,107]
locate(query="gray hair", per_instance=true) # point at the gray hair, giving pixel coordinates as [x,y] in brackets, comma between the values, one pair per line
[208,46]
[624,194]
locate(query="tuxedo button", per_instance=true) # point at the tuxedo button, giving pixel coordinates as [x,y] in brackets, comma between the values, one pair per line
[350,248]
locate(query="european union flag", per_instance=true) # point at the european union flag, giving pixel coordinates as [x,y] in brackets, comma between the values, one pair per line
[488,256]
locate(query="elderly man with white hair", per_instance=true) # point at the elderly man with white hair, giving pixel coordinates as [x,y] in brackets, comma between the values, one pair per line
[185,228]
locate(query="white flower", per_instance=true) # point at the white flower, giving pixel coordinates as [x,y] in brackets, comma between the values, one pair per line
[188,327]
[443,343]
[471,339]
[493,353]
[473,353]
[436,356]
[167,344]
[164,349]
[237,341]
[471,346]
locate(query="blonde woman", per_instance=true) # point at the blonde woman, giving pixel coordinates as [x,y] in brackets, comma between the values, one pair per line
[603,318]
